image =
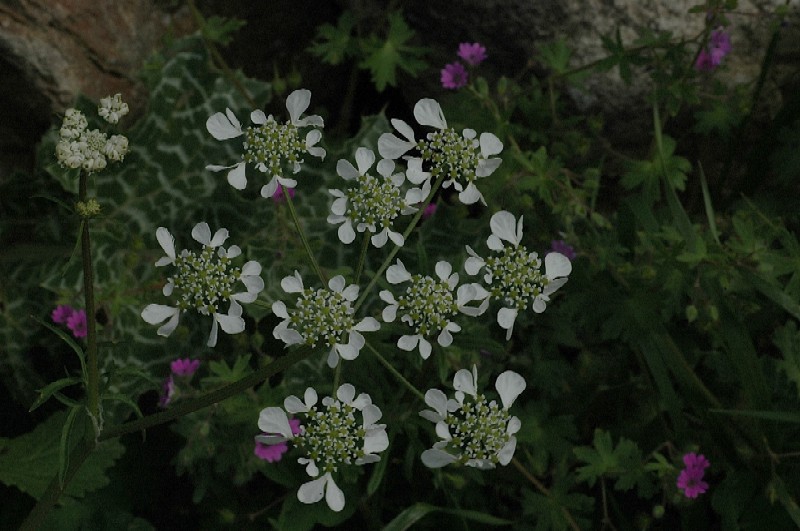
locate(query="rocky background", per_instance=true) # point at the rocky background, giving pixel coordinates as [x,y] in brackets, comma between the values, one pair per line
[51,51]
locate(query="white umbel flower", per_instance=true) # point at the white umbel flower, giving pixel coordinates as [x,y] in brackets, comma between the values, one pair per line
[268,145]
[204,281]
[81,148]
[112,108]
[428,305]
[513,275]
[374,203]
[323,315]
[461,158]
[474,431]
[330,436]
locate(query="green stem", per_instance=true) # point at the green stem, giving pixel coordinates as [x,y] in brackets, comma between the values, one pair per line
[302,234]
[93,380]
[395,372]
[362,258]
[337,376]
[396,248]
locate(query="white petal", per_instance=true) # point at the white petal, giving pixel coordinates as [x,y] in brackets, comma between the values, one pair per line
[445,339]
[465,382]
[507,452]
[397,273]
[404,129]
[167,289]
[202,233]
[350,293]
[437,400]
[368,324]
[428,112]
[333,357]
[470,195]
[230,324]
[490,145]
[371,414]
[292,284]
[443,431]
[294,405]
[269,189]
[279,309]
[514,424]
[557,265]
[506,318]
[219,238]
[310,397]
[386,167]
[424,348]
[469,134]
[311,466]
[346,233]
[312,137]
[223,127]
[297,103]
[166,241]
[237,177]
[346,170]
[415,173]
[365,158]
[494,243]
[233,251]
[334,495]
[391,147]
[337,283]
[486,167]
[380,239]
[251,269]
[349,351]
[212,337]
[396,238]
[346,393]
[473,264]
[408,343]
[504,226]
[156,313]
[258,117]
[376,440]
[313,491]
[274,420]
[390,312]
[435,458]
[509,386]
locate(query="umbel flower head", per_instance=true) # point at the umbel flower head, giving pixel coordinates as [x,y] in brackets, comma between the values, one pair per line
[428,305]
[268,145]
[90,150]
[374,203]
[204,281]
[461,158]
[513,274]
[474,431]
[330,436]
[323,316]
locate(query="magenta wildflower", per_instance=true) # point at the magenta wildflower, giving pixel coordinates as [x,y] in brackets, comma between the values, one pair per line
[62,313]
[76,322]
[473,54]
[167,392]
[429,210]
[719,45]
[184,367]
[278,196]
[274,452]
[690,480]
[454,76]
[562,247]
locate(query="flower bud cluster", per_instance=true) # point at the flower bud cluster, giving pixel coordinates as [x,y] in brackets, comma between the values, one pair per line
[516,276]
[202,281]
[81,148]
[271,144]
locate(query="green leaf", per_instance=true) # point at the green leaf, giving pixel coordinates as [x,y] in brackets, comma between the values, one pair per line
[63,446]
[556,55]
[623,462]
[69,341]
[792,417]
[418,511]
[334,43]
[30,461]
[382,57]
[221,29]
[46,392]
[787,339]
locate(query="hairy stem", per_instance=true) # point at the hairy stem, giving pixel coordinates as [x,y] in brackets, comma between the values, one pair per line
[93,380]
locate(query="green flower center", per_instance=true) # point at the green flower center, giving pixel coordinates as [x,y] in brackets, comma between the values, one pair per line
[478,429]
[271,145]
[516,276]
[202,281]
[428,305]
[450,153]
[332,436]
[374,202]
[322,314]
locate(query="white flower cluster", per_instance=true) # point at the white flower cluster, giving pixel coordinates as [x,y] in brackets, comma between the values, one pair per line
[90,150]
[474,432]
[204,281]
[513,274]
[270,146]
[462,159]
[330,436]
[323,315]
[373,203]
[428,305]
